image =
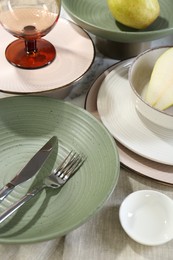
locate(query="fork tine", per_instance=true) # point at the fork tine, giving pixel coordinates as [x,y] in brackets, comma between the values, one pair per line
[74,166]
[70,165]
[62,165]
[72,161]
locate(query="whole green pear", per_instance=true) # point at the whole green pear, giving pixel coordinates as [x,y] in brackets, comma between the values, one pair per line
[138,14]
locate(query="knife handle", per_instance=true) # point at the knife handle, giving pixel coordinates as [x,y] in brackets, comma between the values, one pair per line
[19,204]
[5,191]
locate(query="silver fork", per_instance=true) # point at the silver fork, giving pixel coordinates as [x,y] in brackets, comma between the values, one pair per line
[56,179]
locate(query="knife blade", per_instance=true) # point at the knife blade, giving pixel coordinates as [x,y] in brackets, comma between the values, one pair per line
[30,169]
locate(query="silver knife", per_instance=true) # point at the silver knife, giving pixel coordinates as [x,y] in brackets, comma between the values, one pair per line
[30,168]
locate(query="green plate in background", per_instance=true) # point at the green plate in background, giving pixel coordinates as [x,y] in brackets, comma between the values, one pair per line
[95,17]
[26,123]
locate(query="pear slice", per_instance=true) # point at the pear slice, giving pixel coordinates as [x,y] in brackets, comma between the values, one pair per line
[160,89]
[166,100]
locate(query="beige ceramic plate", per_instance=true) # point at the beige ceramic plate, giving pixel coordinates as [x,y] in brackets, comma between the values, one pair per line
[26,123]
[139,164]
[75,55]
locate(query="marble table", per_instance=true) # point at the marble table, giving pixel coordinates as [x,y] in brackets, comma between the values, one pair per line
[101,237]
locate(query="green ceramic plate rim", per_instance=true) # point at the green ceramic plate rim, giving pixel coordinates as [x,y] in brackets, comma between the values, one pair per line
[104,199]
[92,28]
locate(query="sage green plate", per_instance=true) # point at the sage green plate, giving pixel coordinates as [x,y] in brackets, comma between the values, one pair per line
[95,17]
[26,123]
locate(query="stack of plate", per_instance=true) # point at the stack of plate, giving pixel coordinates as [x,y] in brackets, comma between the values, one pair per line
[144,147]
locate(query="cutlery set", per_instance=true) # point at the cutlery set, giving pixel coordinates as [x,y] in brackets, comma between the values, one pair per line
[56,179]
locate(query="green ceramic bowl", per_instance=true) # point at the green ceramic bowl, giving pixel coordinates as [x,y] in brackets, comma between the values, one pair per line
[26,123]
[95,17]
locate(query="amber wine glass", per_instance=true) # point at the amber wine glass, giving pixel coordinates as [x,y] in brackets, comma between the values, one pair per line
[29,21]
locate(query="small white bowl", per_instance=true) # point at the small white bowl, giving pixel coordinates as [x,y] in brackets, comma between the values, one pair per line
[139,77]
[147,217]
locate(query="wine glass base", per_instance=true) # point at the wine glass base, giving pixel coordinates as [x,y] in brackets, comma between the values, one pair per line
[16,54]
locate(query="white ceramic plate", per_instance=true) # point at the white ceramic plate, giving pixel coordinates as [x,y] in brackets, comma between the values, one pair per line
[139,164]
[117,112]
[74,56]
[146,216]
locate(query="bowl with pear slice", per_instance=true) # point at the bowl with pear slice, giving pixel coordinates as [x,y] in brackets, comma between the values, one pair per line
[151,80]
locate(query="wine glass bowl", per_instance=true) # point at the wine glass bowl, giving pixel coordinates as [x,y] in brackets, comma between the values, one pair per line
[29,21]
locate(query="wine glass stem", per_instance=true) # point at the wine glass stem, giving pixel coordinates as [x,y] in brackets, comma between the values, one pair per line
[30,47]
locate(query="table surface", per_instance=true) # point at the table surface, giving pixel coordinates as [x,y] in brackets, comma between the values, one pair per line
[101,237]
